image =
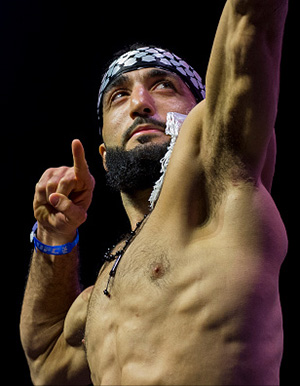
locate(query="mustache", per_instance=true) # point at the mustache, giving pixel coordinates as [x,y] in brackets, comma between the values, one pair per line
[140,121]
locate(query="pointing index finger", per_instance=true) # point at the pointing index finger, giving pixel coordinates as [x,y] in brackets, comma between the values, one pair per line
[80,164]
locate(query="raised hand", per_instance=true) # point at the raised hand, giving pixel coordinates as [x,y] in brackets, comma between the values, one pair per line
[62,197]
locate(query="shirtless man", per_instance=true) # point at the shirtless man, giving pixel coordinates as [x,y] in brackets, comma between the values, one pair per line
[194,299]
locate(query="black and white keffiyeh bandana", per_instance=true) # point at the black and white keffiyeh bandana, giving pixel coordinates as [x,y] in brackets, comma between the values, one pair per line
[146,57]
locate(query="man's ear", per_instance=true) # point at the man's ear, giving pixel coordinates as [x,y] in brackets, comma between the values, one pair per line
[102,151]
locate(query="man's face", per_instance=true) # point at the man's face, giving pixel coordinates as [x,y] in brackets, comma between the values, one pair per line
[147,94]
[135,107]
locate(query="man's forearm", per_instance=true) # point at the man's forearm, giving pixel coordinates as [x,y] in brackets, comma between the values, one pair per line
[52,286]
[61,200]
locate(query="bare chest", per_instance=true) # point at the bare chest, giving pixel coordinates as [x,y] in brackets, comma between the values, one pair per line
[137,296]
[169,303]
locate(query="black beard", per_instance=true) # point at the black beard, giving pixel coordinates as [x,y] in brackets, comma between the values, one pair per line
[136,169]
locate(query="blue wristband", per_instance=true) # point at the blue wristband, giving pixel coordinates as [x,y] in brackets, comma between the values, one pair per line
[55,250]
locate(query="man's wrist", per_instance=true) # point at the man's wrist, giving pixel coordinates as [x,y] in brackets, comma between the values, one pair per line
[52,237]
[52,243]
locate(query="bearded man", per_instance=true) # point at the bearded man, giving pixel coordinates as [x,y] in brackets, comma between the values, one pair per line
[190,296]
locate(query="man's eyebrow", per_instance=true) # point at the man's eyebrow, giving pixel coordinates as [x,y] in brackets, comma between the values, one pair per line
[158,72]
[120,81]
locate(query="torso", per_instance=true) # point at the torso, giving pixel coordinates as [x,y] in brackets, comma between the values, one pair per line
[195,298]
[197,308]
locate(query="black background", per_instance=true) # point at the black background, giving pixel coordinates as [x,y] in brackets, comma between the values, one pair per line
[52,58]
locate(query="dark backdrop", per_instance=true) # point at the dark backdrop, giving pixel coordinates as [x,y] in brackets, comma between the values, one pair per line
[52,58]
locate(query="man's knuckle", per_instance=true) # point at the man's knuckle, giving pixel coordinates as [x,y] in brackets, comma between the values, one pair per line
[64,182]
[51,184]
[40,187]
[37,186]
[48,173]
[67,181]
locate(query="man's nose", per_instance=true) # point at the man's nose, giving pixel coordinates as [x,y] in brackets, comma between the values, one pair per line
[141,104]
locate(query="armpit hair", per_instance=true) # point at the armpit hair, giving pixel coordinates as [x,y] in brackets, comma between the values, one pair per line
[226,168]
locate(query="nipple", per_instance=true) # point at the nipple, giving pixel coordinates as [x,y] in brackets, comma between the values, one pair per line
[157,271]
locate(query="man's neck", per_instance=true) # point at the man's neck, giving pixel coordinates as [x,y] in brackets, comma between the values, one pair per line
[136,205]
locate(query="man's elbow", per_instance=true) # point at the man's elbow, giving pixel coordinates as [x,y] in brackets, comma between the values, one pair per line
[38,371]
[37,355]
[43,372]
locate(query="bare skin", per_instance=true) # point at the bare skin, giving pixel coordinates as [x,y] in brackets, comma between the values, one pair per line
[195,299]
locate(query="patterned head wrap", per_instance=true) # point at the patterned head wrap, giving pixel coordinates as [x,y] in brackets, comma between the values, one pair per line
[146,57]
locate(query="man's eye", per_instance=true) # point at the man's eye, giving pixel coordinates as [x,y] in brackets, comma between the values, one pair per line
[118,94]
[165,85]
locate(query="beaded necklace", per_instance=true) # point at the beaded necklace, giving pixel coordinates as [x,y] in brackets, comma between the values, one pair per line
[119,254]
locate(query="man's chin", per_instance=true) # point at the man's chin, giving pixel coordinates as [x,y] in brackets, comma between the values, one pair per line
[135,169]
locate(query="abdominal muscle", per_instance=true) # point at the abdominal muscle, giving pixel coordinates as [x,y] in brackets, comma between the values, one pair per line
[206,313]
[192,329]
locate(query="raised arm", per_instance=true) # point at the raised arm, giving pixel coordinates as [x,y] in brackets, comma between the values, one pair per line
[243,81]
[230,135]
[52,341]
